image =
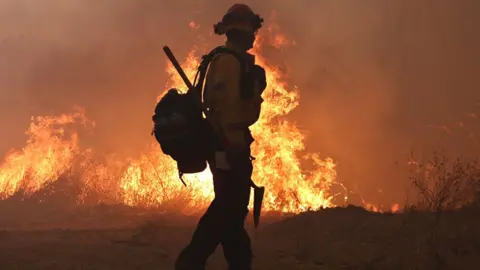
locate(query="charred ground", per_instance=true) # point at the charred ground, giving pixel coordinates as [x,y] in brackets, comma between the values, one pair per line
[118,237]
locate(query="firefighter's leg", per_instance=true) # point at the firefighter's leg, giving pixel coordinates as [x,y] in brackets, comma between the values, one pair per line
[235,240]
[204,241]
[223,222]
[237,250]
[210,229]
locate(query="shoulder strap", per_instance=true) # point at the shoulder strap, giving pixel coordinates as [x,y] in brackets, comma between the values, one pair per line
[206,59]
[200,78]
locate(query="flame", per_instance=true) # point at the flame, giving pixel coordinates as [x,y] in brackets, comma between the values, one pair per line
[151,179]
[193,25]
[49,153]
[277,146]
[395,208]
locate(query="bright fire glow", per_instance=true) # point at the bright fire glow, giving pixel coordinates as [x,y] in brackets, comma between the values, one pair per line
[151,179]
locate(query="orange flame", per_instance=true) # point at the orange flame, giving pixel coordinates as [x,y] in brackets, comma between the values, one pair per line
[151,179]
[49,153]
[277,165]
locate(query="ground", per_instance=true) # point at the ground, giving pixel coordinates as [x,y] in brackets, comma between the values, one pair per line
[105,237]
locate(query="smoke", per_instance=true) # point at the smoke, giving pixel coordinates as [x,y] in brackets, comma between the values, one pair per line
[377,78]
[383,78]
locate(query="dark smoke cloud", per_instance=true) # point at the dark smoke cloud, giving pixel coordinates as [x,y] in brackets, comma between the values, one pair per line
[377,78]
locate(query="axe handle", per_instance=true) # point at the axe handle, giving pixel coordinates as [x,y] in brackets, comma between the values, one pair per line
[177,66]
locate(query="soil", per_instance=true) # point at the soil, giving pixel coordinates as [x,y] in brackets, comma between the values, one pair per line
[118,237]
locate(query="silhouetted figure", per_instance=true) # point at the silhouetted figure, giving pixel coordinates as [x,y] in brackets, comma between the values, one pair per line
[232,95]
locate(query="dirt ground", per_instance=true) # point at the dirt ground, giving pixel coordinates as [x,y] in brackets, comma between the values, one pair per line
[342,238]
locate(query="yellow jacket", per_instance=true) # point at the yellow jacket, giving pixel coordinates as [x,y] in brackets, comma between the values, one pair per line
[232,114]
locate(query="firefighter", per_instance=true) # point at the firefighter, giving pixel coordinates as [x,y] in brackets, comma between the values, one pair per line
[231,162]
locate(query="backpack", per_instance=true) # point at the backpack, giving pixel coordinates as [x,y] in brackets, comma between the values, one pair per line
[179,126]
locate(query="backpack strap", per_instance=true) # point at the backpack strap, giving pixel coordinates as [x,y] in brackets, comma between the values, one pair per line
[200,78]
[206,59]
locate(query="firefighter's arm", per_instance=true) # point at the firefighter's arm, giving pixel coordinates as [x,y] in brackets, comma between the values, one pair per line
[227,84]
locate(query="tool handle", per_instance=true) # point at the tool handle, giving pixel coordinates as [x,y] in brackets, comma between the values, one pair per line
[177,66]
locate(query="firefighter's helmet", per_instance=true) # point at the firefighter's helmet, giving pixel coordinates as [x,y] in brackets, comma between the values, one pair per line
[241,17]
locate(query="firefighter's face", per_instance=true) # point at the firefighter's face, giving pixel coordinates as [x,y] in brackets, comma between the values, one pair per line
[249,40]
[245,39]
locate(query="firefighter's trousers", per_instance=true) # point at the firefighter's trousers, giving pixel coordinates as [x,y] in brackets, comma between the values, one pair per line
[223,222]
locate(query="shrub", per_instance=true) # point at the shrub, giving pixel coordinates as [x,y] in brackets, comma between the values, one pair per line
[443,185]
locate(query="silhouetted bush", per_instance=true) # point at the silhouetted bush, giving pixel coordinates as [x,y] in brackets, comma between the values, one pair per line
[443,185]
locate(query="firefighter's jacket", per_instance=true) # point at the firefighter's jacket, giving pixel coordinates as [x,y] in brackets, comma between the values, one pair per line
[222,97]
